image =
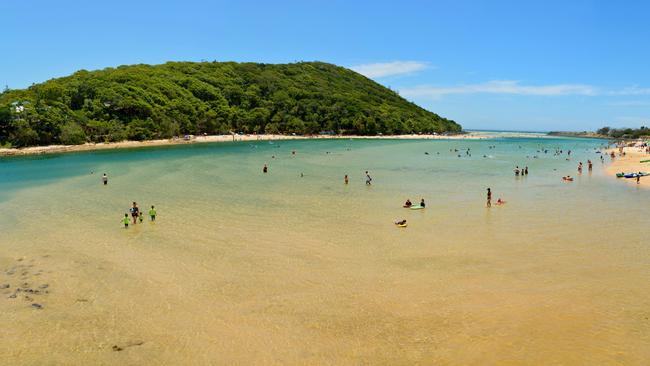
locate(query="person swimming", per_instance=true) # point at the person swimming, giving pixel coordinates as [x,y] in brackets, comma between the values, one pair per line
[408,203]
[152,213]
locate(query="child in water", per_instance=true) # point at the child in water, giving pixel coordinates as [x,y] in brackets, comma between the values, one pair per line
[125,221]
[152,213]
[141,217]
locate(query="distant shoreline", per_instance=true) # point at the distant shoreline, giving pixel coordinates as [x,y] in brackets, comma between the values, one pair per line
[586,135]
[58,149]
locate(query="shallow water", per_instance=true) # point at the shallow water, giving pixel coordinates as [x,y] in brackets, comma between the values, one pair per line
[247,268]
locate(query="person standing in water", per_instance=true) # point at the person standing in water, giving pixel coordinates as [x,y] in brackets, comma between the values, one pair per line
[422,204]
[125,221]
[345,179]
[105,179]
[135,212]
[152,213]
[265,169]
[489,198]
[580,167]
[368,179]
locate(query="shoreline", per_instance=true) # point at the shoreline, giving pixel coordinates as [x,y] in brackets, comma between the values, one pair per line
[628,164]
[90,146]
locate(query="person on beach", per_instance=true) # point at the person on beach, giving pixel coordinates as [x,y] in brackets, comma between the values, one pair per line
[135,212]
[489,197]
[368,179]
[105,179]
[408,203]
[265,169]
[152,213]
[125,221]
[346,179]
[422,203]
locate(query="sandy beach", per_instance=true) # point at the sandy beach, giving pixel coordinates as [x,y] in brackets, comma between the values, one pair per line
[629,163]
[56,149]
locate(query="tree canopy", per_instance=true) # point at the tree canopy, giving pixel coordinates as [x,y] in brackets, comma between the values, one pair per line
[632,133]
[141,102]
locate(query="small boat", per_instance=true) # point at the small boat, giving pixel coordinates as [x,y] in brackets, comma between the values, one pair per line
[634,175]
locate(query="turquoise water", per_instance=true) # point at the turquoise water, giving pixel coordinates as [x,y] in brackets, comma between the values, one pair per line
[254,268]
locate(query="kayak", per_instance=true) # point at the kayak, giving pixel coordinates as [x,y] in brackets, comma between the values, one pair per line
[634,175]
[644,161]
[402,225]
[418,207]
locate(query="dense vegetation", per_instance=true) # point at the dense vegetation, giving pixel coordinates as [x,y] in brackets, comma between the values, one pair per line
[629,133]
[142,102]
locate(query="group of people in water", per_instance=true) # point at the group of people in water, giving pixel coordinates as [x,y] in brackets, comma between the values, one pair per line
[138,215]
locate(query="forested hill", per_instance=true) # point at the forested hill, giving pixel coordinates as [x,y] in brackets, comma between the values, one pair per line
[143,102]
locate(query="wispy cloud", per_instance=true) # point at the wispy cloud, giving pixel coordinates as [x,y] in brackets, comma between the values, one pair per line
[632,90]
[630,103]
[499,87]
[379,70]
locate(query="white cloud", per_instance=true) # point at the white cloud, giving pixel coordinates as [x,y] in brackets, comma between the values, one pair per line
[632,90]
[379,70]
[500,87]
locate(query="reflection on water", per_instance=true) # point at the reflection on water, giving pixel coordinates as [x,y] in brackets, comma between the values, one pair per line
[247,268]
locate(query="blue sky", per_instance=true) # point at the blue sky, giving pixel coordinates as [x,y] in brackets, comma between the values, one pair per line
[519,65]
